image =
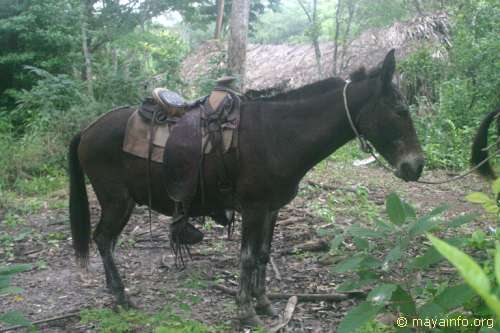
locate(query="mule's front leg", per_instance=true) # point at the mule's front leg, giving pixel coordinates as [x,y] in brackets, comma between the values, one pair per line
[263,306]
[253,222]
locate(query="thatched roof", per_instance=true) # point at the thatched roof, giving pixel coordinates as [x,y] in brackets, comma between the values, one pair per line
[289,66]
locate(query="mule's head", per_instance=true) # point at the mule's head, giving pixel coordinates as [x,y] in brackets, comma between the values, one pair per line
[386,122]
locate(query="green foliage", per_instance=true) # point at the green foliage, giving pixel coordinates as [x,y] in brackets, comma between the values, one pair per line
[452,89]
[384,258]
[12,317]
[471,272]
[166,321]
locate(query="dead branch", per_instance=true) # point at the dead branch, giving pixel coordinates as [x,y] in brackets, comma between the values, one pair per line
[300,297]
[277,274]
[287,315]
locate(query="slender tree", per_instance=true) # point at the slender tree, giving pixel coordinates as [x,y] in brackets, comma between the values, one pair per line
[337,35]
[314,32]
[220,17]
[237,50]
[85,9]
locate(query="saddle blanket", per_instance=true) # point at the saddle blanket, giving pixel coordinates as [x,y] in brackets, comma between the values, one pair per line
[137,136]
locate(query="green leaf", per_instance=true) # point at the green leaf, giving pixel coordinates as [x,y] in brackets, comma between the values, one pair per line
[461,220]
[394,254]
[9,270]
[497,264]
[430,257]
[450,298]
[409,211]
[358,317]
[467,267]
[473,275]
[358,231]
[382,293]
[349,264]
[495,187]
[403,303]
[356,262]
[336,242]
[14,318]
[423,225]
[478,197]
[395,209]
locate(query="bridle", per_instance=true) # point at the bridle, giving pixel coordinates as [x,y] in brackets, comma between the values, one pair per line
[367,147]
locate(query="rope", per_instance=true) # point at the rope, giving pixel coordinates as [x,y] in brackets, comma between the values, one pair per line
[367,147]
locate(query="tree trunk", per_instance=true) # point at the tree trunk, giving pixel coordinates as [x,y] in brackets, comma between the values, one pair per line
[345,44]
[336,41]
[313,20]
[220,17]
[237,50]
[316,32]
[85,48]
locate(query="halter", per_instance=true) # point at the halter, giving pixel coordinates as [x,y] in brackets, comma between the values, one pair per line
[364,144]
[367,147]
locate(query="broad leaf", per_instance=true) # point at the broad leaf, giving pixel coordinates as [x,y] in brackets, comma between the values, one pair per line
[497,264]
[393,255]
[382,293]
[348,264]
[495,187]
[478,197]
[14,318]
[403,303]
[450,298]
[358,317]
[395,209]
[461,220]
[358,231]
[470,271]
[430,257]
[9,270]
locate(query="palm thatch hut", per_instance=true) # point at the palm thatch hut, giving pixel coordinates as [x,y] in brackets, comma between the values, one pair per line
[288,66]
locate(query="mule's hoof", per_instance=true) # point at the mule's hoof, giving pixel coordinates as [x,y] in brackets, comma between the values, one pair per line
[251,321]
[265,310]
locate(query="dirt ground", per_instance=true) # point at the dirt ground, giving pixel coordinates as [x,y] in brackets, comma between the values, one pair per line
[56,286]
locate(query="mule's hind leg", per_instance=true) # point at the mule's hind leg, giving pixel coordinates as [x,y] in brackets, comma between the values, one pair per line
[263,306]
[114,217]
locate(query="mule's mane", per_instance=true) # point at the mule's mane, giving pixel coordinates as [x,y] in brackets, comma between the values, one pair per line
[315,88]
[312,89]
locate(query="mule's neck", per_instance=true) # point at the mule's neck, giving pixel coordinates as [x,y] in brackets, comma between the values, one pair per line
[306,131]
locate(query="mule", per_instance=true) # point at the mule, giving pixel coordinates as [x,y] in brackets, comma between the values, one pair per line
[280,139]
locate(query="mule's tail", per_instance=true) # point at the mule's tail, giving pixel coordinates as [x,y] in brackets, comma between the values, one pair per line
[79,214]
[479,153]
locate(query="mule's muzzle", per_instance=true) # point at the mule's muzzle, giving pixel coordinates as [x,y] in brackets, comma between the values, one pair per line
[410,168]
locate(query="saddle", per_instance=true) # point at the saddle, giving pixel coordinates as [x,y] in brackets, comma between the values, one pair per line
[166,129]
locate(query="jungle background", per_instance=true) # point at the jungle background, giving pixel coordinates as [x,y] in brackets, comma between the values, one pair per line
[63,63]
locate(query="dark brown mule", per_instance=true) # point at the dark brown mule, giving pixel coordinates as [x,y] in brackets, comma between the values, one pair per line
[479,153]
[281,138]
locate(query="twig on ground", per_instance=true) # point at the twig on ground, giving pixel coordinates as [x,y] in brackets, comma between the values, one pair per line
[316,246]
[301,297]
[74,313]
[277,274]
[287,315]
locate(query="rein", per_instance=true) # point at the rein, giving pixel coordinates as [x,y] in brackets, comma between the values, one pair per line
[367,147]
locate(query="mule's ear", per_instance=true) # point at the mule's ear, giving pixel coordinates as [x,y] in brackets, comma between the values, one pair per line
[388,67]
